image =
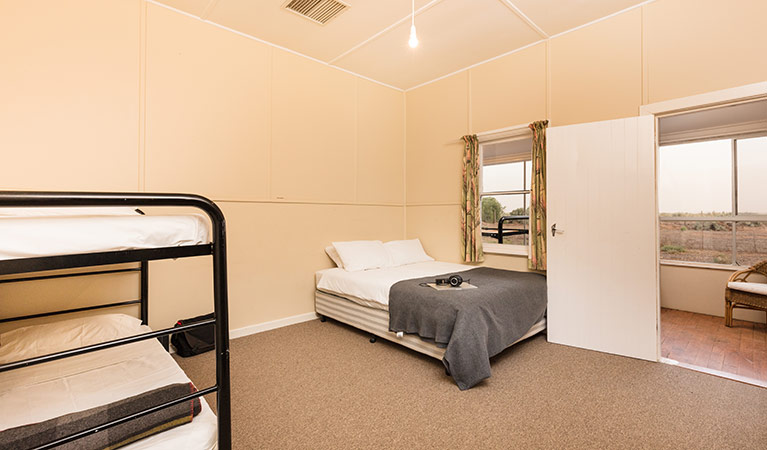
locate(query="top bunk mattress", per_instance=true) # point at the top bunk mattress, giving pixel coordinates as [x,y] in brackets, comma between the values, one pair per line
[29,236]
[371,287]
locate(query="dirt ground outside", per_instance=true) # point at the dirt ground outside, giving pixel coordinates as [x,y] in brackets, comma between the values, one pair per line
[711,242]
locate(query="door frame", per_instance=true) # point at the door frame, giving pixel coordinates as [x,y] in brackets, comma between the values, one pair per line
[699,102]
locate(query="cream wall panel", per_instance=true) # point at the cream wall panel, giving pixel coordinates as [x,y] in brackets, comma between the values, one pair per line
[380,144]
[69,94]
[510,90]
[206,109]
[273,251]
[696,46]
[699,290]
[313,130]
[596,71]
[277,248]
[437,117]
[183,288]
[33,297]
[438,228]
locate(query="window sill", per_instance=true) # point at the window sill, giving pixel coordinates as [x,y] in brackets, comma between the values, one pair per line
[505,249]
[698,265]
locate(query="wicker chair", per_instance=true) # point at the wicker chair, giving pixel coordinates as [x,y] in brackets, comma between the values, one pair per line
[743,294]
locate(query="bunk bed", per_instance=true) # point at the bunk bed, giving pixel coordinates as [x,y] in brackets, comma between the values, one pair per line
[18,263]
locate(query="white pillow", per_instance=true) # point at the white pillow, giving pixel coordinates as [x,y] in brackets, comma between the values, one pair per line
[362,255]
[331,251]
[406,252]
[38,340]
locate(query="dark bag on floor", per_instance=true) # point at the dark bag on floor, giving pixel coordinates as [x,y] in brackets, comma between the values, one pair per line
[195,341]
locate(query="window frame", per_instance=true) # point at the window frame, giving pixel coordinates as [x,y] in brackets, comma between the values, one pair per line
[522,134]
[734,217]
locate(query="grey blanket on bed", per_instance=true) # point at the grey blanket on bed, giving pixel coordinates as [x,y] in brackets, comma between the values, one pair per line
[37,434]
[473,324]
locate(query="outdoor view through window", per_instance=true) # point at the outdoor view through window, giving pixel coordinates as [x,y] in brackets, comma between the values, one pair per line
[505,197]
[713,202]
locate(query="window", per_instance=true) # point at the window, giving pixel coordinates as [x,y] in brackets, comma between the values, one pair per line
[713,208]
[505,194]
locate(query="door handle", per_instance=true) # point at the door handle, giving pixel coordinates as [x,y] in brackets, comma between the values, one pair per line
[554,230]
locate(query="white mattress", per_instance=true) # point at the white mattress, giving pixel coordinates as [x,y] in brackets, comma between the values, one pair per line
[49,390]
[373,285]
[30,236]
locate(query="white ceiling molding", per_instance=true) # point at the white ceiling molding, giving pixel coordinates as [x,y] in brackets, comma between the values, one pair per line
[524,17]
[532,44]
[609,16]
[385,30]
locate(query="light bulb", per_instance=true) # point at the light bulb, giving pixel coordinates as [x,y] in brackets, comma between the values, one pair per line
[413,41]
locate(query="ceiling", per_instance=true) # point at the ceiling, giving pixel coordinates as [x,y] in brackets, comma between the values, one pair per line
[370,38]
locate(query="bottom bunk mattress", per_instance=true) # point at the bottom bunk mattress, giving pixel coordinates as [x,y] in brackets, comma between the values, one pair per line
[45,391]
[462,327]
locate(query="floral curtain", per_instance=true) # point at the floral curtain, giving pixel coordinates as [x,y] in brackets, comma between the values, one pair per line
[471,216]
[537,257]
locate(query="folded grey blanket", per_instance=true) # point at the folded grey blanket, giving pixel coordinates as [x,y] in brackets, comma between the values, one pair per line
[473,324]
[37,434]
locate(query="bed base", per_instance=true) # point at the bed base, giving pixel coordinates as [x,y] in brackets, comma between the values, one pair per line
[376,322]
[217,250]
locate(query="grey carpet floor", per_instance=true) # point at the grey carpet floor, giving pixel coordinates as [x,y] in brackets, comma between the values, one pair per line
[323,385]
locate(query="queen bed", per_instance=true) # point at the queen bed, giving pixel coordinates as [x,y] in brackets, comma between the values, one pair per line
[461,327]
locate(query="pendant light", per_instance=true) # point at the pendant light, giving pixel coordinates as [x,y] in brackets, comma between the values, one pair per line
[413,41]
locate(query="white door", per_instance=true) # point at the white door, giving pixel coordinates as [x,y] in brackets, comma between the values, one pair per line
[602,264]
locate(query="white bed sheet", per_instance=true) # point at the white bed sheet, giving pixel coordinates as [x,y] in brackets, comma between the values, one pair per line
[27,237]
[53,389]
[373,285]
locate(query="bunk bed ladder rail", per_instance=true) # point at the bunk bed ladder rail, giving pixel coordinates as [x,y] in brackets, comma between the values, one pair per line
[217,250]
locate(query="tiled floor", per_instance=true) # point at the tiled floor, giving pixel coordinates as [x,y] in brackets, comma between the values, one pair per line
[704,341]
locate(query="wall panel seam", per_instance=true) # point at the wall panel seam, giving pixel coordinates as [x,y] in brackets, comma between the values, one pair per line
[356,140]
[142,63]
[469,104]
[269,122]
[404,165]
[645,66]
[547,91]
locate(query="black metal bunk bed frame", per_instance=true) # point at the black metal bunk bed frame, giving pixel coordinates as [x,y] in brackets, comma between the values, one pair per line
[217,249]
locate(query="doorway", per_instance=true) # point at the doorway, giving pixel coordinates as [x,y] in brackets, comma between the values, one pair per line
[712,223]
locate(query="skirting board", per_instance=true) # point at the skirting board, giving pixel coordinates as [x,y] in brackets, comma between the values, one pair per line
[266,326]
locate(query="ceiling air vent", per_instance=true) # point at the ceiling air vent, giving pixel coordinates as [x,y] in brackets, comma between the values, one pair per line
[319,11]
